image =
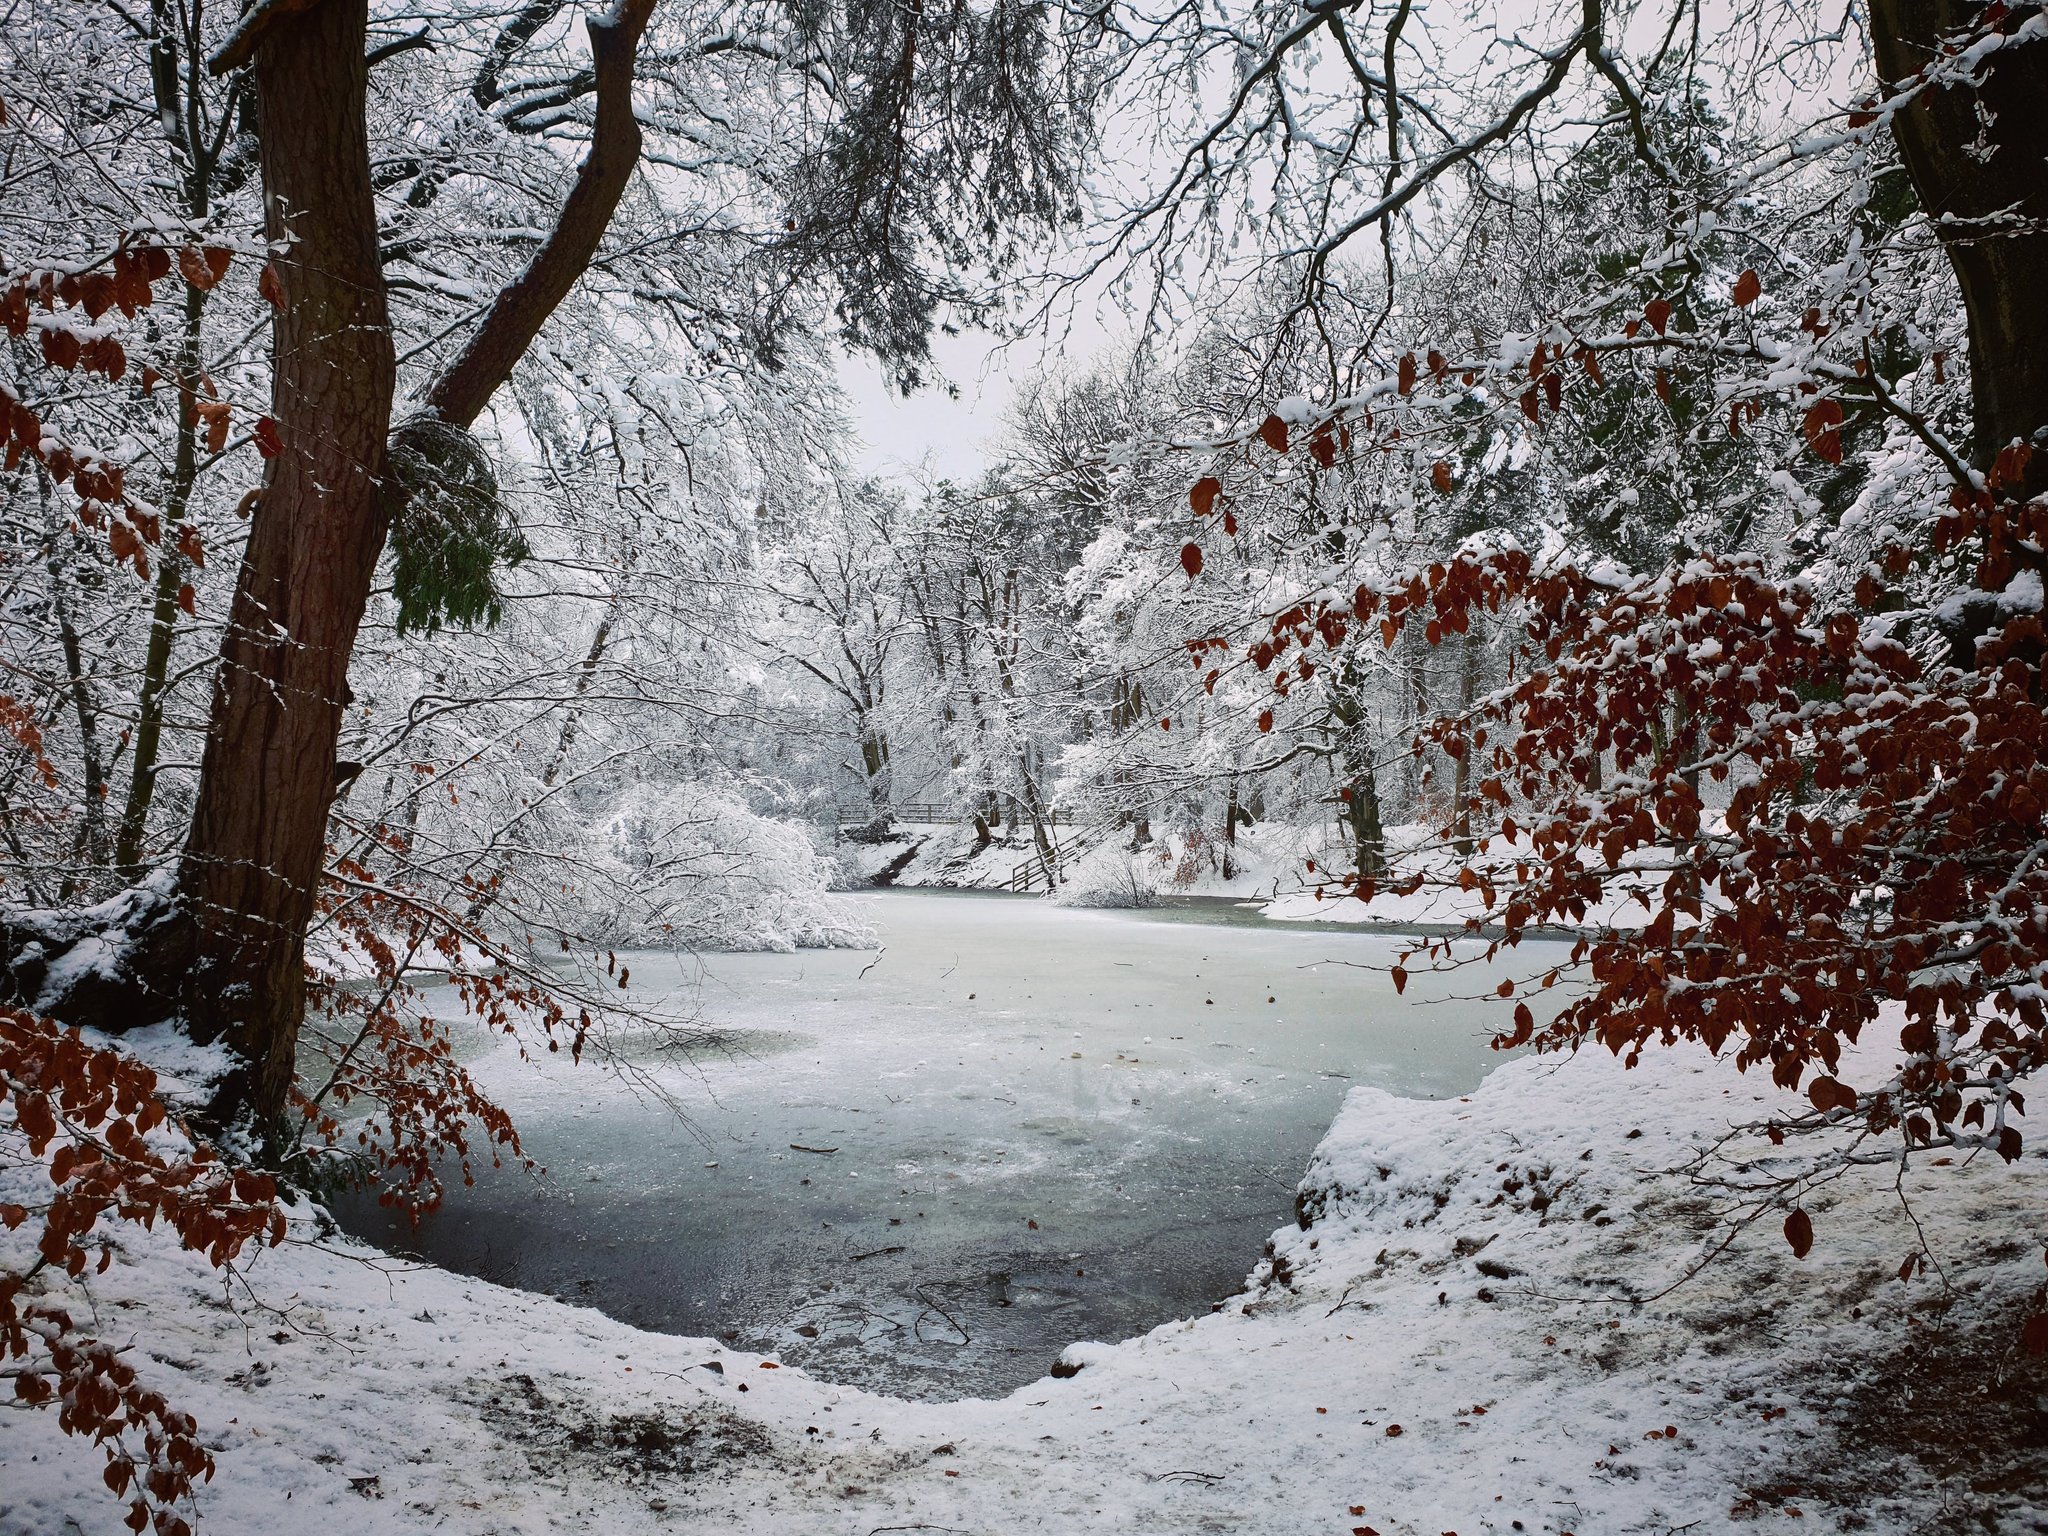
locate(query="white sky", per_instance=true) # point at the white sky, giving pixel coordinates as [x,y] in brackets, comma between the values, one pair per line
[948,435]
[954,435]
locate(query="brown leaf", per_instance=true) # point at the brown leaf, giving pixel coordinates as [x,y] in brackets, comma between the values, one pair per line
[1827,1093]
[1820,425]
[1748,288]
[1658,313]
[194,267]
[1799,1232]
[96,293]
[271,286]
[1202,496]
[2034,1334]
[60,349]
[1440,476]
[268,443]
[1406,379]
[216,415]
[1274,431]
[188,599]
[1190,559]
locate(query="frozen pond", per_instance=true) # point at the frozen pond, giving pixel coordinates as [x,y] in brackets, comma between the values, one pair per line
[1033,1125]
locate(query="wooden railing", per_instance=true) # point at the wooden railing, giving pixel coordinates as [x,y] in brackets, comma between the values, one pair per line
[914,810]
[1038,872]
[1039,869]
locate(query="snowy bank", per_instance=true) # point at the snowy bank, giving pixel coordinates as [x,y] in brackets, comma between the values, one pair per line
[1451,1344]
[1266,860]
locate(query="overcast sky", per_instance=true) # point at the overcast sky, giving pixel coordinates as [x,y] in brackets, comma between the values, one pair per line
[899,435]
[954,433]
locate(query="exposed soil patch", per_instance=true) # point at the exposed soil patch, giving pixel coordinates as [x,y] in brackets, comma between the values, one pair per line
[1955,1410]
[627,1446]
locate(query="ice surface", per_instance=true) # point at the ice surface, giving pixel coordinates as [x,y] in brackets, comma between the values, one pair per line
[1145,1087]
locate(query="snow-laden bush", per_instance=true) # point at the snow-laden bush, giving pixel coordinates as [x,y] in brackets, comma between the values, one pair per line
[690,865]
[1115,879]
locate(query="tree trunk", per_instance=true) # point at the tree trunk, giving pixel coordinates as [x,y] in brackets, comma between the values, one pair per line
[170,576]
[91,850]
[1359,774]
[874,762]
[1990,209]
[1468,689]
[1362,811]
[254,856]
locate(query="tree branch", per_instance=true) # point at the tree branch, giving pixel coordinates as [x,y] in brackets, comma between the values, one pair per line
[241,44]
[465,387]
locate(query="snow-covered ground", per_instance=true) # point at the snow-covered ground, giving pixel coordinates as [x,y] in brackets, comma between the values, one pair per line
[1266,860]
[1286,867]
[1473,1335]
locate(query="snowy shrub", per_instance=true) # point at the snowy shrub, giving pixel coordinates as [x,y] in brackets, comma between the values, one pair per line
[1116,880]
[684,864]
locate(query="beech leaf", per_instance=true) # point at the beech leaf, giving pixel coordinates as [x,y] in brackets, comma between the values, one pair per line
[1799,1232]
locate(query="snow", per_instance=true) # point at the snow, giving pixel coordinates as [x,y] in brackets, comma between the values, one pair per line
[1264,861]
[185,1070]
[1487,1273]
[1269,866]
[687,863]
[91,941]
